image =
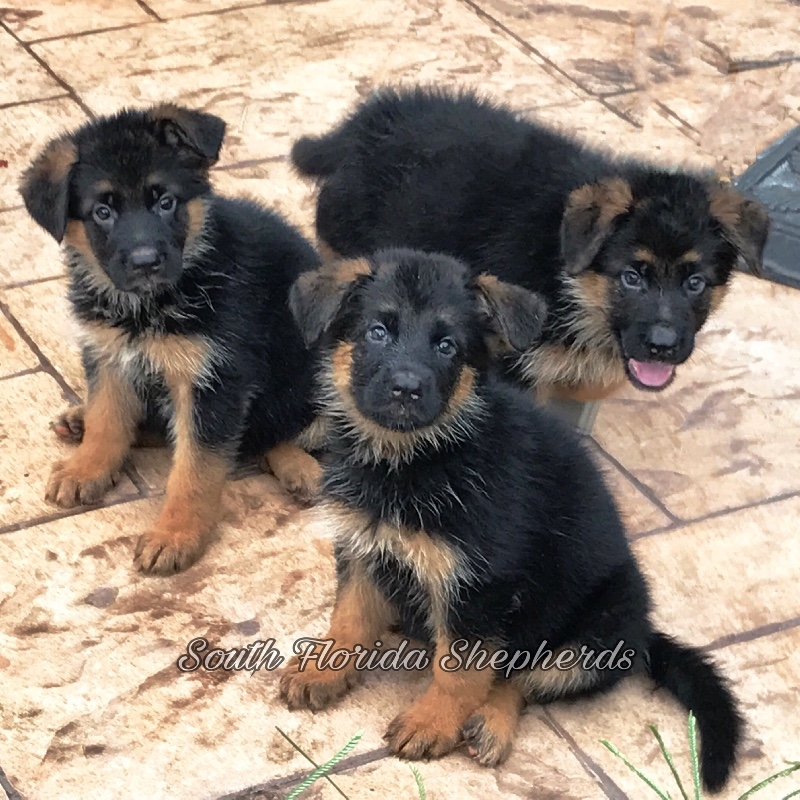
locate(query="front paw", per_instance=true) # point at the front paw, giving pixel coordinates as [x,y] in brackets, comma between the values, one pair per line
[488,741]
[68,426]
[313,688]
[422,732]
[298,472]
[72,483]
[161,551]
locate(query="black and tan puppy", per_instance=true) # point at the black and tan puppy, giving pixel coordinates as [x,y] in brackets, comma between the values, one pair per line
[464,513]
[181,298]
[631,259]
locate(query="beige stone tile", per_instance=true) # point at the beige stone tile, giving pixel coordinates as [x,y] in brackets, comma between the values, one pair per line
[15,355]
[64,19]
[44,312]
[765,675]
[23,130]
[23,78]
[27,253]
[728,431]
[168,9]
[28,448]
[254,72]
[727,575]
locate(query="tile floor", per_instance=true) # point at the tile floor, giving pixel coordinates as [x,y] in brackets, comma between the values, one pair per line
[708,474]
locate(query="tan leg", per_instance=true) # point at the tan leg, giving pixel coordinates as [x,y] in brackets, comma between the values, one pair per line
[432,726]
[297,471]
[489,732]
[360,616]
[193,498]
[109,425]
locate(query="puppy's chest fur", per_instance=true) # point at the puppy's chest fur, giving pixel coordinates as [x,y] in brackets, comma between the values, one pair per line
[411,566]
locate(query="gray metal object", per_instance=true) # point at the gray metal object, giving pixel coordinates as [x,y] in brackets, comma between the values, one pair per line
[774,179]
[579,415]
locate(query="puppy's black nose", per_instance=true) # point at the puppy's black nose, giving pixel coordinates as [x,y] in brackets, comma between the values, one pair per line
[662,340]
[406,385]
[146,259]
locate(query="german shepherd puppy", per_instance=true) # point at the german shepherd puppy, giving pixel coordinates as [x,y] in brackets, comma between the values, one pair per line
[466,516]
[181,298]
[631,259]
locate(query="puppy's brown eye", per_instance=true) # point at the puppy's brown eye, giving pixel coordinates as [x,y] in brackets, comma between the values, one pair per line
[102,213]
[166,203]
[631,279]
[377,333]
[446,347]
[695,284]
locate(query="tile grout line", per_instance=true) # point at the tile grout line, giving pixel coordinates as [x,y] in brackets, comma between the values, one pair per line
[530,50]
[643,488]
[17,103]
[743,637]
[147,10]
[47,365]
[591,767]
[31,282]
[82,34]
[49,70]
[22,373]
[722,512]
[353,762]
[7,787]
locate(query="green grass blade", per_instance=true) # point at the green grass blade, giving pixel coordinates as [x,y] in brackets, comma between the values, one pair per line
[423,795]
[668,758]
[795,765]
[693,755]
[321,772]
[308,758]
[633,769]
[795,793]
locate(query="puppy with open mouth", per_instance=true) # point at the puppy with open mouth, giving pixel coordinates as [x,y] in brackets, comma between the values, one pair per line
[632,259]
[463,512]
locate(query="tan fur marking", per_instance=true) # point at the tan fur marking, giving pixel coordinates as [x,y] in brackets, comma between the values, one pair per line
[196,219]
[103,187]
[552,683]
[644,254]
[726,206]
[315,436]
[439,568]
[348,270]
[360,616]
[718,294]
[298,472]
[690,257]
[490,731]
[612,196]
[110,418]
[327,253]
[58,159]
[432,726]
[593,363]
[75,237]
[193,495]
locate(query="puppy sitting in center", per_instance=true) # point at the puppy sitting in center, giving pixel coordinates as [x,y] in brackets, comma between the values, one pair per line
[462,511]
[631,258]
[181,299]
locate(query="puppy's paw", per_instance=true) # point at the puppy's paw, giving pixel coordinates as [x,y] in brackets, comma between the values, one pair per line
[68,425]
[488,739]
[161,551]
[299,473]
[73,483]
[314,688]
[422,732]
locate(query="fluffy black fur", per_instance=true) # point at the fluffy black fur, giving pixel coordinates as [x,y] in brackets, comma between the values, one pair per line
[453,173]
[509,489]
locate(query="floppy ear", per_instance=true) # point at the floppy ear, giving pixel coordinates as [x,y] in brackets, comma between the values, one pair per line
[744,221]
[316,296]
[45,186]
[514,314]
[184,127]
[589,220]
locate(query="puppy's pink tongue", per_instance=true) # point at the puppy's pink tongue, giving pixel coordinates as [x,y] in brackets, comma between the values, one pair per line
[651,373]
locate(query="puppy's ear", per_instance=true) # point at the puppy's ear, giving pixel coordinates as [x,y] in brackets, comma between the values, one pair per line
[513,314]
[45,186]
[186,128]
[316,297]
[745,223]
[589,220]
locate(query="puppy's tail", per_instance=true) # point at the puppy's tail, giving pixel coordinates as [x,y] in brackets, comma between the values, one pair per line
[697,685]
[318,156]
